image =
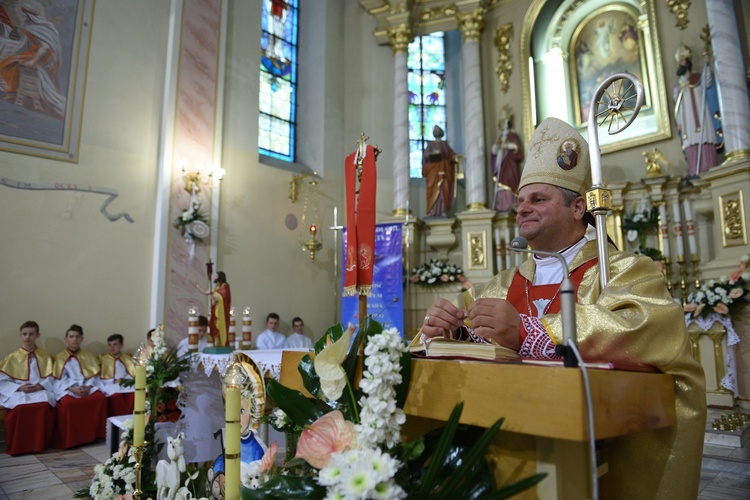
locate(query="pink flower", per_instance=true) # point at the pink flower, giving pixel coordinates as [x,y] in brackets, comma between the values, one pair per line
[736,293]
[414,278]
[327,435]
[444,278]
[721,309]
[269,457]
[691,307]
[735,276]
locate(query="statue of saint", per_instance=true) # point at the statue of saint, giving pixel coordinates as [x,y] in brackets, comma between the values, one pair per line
[439,169]
[507,155]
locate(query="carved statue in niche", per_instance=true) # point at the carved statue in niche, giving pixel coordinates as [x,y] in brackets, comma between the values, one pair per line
[507,155]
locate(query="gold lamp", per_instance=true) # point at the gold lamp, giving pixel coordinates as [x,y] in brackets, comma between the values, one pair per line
[197,173]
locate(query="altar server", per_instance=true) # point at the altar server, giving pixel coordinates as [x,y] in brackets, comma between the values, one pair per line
[116,366]
[81,405]
[27,393]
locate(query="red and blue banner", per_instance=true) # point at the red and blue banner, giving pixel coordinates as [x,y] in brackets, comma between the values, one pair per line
[386,301]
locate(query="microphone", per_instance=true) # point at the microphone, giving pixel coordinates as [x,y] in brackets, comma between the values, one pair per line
[567,301]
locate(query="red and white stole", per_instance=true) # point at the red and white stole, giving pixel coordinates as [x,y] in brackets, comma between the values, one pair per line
[360,220]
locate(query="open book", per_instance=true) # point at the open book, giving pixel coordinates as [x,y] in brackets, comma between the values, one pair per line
[439,347]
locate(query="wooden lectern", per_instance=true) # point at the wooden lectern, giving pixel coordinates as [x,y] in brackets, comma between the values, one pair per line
[544,408]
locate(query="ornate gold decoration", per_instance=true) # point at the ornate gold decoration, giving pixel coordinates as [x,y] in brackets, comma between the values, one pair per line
[716,338]
[471,24]
[436,13]
[477,243]
[694,337]
[679,8]
[503,37]
[400,37]
[598,198]
[654,160]
[476,207]
[295,184]
[733,227]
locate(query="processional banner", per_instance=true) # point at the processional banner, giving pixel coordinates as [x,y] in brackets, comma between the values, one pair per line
[385,303]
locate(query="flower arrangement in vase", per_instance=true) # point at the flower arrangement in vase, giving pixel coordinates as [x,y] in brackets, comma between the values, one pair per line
[436,272]
[725,296]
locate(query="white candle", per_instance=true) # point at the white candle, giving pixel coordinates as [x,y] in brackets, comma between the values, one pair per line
[498,250]
[664,229]
[232,445]
[678,230]
[247,325]
[507,247]
[690,227]
[139,406]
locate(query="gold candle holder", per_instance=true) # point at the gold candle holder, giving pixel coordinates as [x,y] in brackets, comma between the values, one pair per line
[668,272]
[683,278]
[138,466]
[696,271]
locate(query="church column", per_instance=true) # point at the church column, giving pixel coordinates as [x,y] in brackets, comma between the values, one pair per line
[471,25]
[400,37]
[730,73]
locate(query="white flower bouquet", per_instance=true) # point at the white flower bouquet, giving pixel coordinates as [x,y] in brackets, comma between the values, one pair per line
[436,272]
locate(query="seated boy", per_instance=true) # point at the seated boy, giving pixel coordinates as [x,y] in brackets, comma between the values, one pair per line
[27,392]
[81,406]
[184,346]
[116,366]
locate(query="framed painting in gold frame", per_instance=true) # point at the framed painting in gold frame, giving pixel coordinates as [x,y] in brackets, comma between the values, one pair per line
[43,60]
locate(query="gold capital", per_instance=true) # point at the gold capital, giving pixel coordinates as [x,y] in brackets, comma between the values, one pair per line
[471,24]
[400,36]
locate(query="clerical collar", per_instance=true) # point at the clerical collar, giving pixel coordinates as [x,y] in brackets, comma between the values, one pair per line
[548,269]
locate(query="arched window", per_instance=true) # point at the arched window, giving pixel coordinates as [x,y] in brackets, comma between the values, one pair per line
[278,79]
[426,63]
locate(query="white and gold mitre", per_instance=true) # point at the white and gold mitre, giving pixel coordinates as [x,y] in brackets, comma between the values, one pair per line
[557,155]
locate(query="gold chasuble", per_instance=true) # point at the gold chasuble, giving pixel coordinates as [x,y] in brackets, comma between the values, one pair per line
[108,362]
[16,364]
[633,320]
[89,363]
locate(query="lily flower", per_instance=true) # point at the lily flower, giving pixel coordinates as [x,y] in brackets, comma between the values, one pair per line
[327,435]
[328,367]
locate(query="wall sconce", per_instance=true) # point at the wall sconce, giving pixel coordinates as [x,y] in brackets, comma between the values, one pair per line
[201,174]
[296,182]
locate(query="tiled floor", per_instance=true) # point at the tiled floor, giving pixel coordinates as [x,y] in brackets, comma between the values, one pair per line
[59,474]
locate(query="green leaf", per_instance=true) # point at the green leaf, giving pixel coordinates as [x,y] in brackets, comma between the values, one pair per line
[310,379]
[284,487]
[402,389]
[334,333]
[298,408]
[429,480]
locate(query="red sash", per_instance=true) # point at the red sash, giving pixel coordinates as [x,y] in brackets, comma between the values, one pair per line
[360,217]
[522,304]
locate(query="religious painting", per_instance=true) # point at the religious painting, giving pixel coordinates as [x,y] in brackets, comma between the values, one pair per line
[574,47]
[606,42]
[43,57]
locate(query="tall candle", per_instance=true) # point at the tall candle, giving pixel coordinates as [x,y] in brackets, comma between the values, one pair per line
[247,325]
[192,331]
[139,406]
[678,230]
[232,444]
[664,229]
[498,250]
[231,332]
[690,227]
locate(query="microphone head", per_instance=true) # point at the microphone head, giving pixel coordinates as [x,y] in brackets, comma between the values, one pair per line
[519,242]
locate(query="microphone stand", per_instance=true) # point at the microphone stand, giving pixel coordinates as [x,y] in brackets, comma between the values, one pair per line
[567,304]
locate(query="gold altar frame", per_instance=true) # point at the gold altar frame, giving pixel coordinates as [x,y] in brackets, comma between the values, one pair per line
[733,224]
[652,125]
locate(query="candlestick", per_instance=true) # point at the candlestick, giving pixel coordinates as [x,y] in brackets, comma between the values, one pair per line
[696,271]
[683,278]
[231,331]
[232,445]
[690,227]
[664,229]
[138,466]
[247,326]
[668,273]
[678,232]
[139,405]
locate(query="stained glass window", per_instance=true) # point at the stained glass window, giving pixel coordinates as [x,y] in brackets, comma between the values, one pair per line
[278,79]
[426,63]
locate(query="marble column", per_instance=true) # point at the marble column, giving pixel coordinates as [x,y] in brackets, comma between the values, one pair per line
[471,25]
[730,73]
[400,37]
